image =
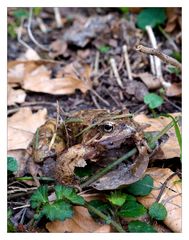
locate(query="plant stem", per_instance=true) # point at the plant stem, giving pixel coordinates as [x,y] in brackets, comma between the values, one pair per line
[117,226]
[109,167]
[31,178]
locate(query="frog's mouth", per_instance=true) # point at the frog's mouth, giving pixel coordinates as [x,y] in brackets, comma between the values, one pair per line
[112,143]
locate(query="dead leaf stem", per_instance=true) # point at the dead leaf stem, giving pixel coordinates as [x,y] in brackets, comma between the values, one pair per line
[165,58]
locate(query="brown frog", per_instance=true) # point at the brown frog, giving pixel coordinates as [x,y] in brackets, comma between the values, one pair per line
[100,132]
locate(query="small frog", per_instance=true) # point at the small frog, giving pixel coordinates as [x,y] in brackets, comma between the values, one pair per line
[99,132]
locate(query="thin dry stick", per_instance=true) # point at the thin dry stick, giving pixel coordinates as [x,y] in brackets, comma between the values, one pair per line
[127,62]
[115,71]
[100,98]
[58,17]
[42,25]
[31,34]
[19,35]
[165,58]
[157,62]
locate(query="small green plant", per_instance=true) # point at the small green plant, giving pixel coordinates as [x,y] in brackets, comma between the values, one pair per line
[12,165]
[10,225]
[124,10]
[104,48]
[61,208]
[157,211]
[153,100]
[151,16]
[140,227]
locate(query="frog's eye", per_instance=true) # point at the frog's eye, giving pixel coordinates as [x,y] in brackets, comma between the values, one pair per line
[107,127]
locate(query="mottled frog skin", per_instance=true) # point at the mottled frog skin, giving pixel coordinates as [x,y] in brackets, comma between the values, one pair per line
[98,132]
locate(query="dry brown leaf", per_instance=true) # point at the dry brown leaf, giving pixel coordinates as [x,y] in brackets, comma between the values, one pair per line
[22,126]
[35,76]
[171,197]
[171,148]
[15,96]
[174,90]
[30,54]
[173,16]
[58,47]
[150,80]
[82,222]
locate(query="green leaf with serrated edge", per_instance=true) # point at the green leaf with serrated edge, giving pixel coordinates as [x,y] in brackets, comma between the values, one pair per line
[117,198]
[132,209]
[39,197]
[151,16]
[139,227]
[63,192]
[157,211]
[59,210]
[101,206]
[153,100]
[142,187]
[12,164]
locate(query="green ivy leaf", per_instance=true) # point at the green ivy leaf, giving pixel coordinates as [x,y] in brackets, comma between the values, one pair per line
[12,164]
[158,211]
[142,187]
[132,209]
[153,100]
[151,16]
[117,198]
[39,197]
[63,192]
[139,227]
[59,210]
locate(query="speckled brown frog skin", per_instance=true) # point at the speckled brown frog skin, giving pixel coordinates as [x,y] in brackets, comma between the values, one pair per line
[99,132]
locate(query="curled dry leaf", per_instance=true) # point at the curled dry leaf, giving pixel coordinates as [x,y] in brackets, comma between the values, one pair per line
[15,96]
[173,15]
[171,148]
[170,198]
[22,126]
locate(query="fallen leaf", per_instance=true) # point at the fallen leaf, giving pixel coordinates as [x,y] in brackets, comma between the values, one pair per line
[36,76]
[174,90]
[150,80]
[30,54]
[22,126]
[170,148]
[170,198]
[57,48]
[137,89]
[173,18]
[15,96]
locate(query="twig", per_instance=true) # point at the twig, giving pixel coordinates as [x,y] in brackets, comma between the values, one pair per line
[168,38]
[117,226]
[157,61]
[127,62]
[58,17]
[96,68]
[95,101]
[19,35]
[100,98]
[165,58]
[164,185]
[115,71]
[31,34]
[42,26]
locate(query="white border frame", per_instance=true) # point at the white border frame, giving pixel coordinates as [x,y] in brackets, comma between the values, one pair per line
[3,107]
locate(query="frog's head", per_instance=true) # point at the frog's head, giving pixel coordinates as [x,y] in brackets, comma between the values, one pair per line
[112,133]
